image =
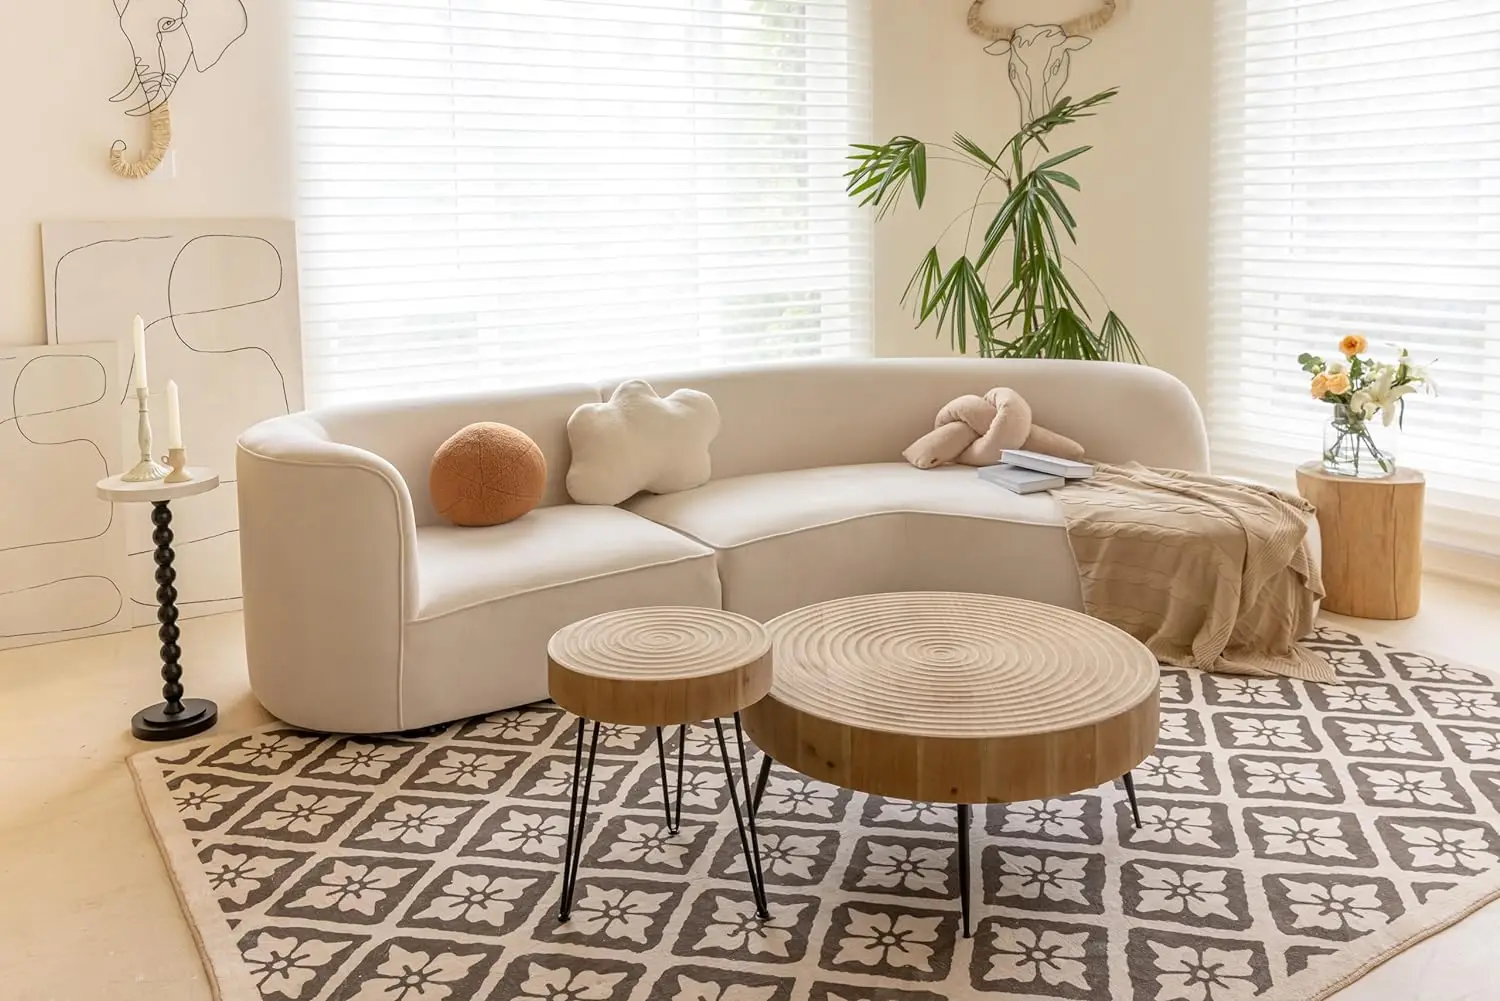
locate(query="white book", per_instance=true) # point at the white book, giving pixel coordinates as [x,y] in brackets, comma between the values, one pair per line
[1018,480]
[1066,468]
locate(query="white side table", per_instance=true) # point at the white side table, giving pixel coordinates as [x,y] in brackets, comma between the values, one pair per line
[176,717]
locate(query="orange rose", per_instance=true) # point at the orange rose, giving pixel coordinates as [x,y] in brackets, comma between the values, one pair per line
[1353,344]
[1338,383]
[1319,386]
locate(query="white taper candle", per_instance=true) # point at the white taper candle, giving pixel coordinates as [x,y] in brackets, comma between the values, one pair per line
[138,339]
[174,416]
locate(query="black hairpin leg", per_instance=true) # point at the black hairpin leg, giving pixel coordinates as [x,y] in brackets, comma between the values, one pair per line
[666,797]
[1135,809]
[578,811]
[964,822]
[682,732]
[743,819]
[760,783]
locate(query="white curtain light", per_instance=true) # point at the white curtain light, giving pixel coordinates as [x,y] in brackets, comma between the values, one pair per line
[1357,190]
[509,192]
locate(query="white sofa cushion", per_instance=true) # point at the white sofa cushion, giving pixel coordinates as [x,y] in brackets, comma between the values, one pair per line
[789,539]
[802,415]
[640,441]
[490,598]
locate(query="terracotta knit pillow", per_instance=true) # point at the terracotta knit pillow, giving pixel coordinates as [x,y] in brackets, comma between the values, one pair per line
[487,474]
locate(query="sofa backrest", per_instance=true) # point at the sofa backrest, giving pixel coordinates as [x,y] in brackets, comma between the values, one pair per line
[407,433]
[806,414]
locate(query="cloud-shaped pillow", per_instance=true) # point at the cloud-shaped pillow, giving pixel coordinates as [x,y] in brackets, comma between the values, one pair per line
[640,441]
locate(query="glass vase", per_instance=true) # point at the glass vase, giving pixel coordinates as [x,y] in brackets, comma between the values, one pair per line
[1354,446]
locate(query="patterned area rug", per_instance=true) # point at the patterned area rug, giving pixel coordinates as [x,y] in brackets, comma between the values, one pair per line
[1295,835]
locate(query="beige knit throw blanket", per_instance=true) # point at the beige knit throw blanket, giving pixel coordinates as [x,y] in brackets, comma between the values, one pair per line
[1208,573]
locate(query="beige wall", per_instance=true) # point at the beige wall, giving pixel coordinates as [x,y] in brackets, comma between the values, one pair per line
[1143,215]
[63,60]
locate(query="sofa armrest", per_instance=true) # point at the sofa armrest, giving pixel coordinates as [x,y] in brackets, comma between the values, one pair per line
[328,557]
[1119,412]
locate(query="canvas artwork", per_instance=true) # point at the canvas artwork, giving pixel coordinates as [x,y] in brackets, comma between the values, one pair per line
[220,302]
[62,549]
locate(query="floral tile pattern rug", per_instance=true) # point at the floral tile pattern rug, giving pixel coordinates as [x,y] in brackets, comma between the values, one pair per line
[1294,836]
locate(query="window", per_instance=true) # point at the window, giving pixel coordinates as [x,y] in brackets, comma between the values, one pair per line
[1357,189]
[503,192]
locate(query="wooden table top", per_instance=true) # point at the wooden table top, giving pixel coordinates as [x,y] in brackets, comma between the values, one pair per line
[659,666]
[958,698]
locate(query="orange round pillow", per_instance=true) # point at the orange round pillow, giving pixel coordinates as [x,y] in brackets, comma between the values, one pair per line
[487,474]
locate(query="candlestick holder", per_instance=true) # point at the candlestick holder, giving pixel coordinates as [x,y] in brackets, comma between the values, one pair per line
[147,469]
[177,459]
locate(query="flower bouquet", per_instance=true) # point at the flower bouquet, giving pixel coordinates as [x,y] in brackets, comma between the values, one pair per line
[1361,389]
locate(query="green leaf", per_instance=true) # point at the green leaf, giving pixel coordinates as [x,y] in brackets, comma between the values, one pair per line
[1118,343]
[1060,178]
[973,149]
[919,173]
[1062,158]
[880,173]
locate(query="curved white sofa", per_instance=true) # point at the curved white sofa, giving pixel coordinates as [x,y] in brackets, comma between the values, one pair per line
[365,612]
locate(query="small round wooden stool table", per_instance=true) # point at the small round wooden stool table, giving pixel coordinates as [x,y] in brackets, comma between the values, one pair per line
[956,698]
[175,717]
[659,667]
[1372,540]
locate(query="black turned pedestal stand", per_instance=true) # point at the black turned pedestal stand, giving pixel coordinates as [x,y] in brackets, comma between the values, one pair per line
[176,717]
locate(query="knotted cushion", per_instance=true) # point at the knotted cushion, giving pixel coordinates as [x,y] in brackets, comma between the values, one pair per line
[487,474]
[640,441]
[974,430]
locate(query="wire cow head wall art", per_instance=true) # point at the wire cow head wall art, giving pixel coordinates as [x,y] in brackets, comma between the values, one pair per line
[1040,56]
[166,38]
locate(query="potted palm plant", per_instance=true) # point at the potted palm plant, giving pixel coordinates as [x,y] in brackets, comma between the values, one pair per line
[1037,312]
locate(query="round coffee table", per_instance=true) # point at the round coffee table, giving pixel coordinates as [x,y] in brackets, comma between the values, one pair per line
[956,698]
[656,667]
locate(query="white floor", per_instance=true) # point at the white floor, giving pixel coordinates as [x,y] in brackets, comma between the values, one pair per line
[87,910]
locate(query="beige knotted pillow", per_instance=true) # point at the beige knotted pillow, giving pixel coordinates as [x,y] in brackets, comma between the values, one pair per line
[974,430]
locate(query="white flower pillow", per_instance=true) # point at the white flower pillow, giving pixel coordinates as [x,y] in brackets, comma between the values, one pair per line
[640,441]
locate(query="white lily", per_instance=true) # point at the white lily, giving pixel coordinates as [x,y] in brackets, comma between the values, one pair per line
[1419,374]
[1384,395]
[1362,406]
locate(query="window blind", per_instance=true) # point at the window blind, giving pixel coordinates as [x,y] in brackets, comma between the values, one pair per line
[1357,190]
[502,192]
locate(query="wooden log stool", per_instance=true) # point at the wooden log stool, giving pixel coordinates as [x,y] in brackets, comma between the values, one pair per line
[658,667]
[1372,540]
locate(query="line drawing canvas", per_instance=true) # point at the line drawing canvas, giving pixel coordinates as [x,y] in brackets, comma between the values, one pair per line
[62,548]
[220,302]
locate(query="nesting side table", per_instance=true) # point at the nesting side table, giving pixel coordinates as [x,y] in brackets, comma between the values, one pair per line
[657,667]
[176,716]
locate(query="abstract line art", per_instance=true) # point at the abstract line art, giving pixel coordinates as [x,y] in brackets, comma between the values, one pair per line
[62,549]
[220,301]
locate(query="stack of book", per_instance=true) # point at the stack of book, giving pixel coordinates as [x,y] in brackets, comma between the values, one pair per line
[1025,472]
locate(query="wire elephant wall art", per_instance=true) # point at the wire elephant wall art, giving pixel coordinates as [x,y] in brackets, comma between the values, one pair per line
[167,37]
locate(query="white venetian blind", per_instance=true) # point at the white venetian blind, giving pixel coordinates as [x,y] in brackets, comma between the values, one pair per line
[1357,189]
[500,192]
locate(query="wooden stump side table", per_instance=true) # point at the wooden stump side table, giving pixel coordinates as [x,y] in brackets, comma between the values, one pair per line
[956,698]
[659,667]
[1372,540]
[176,716]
